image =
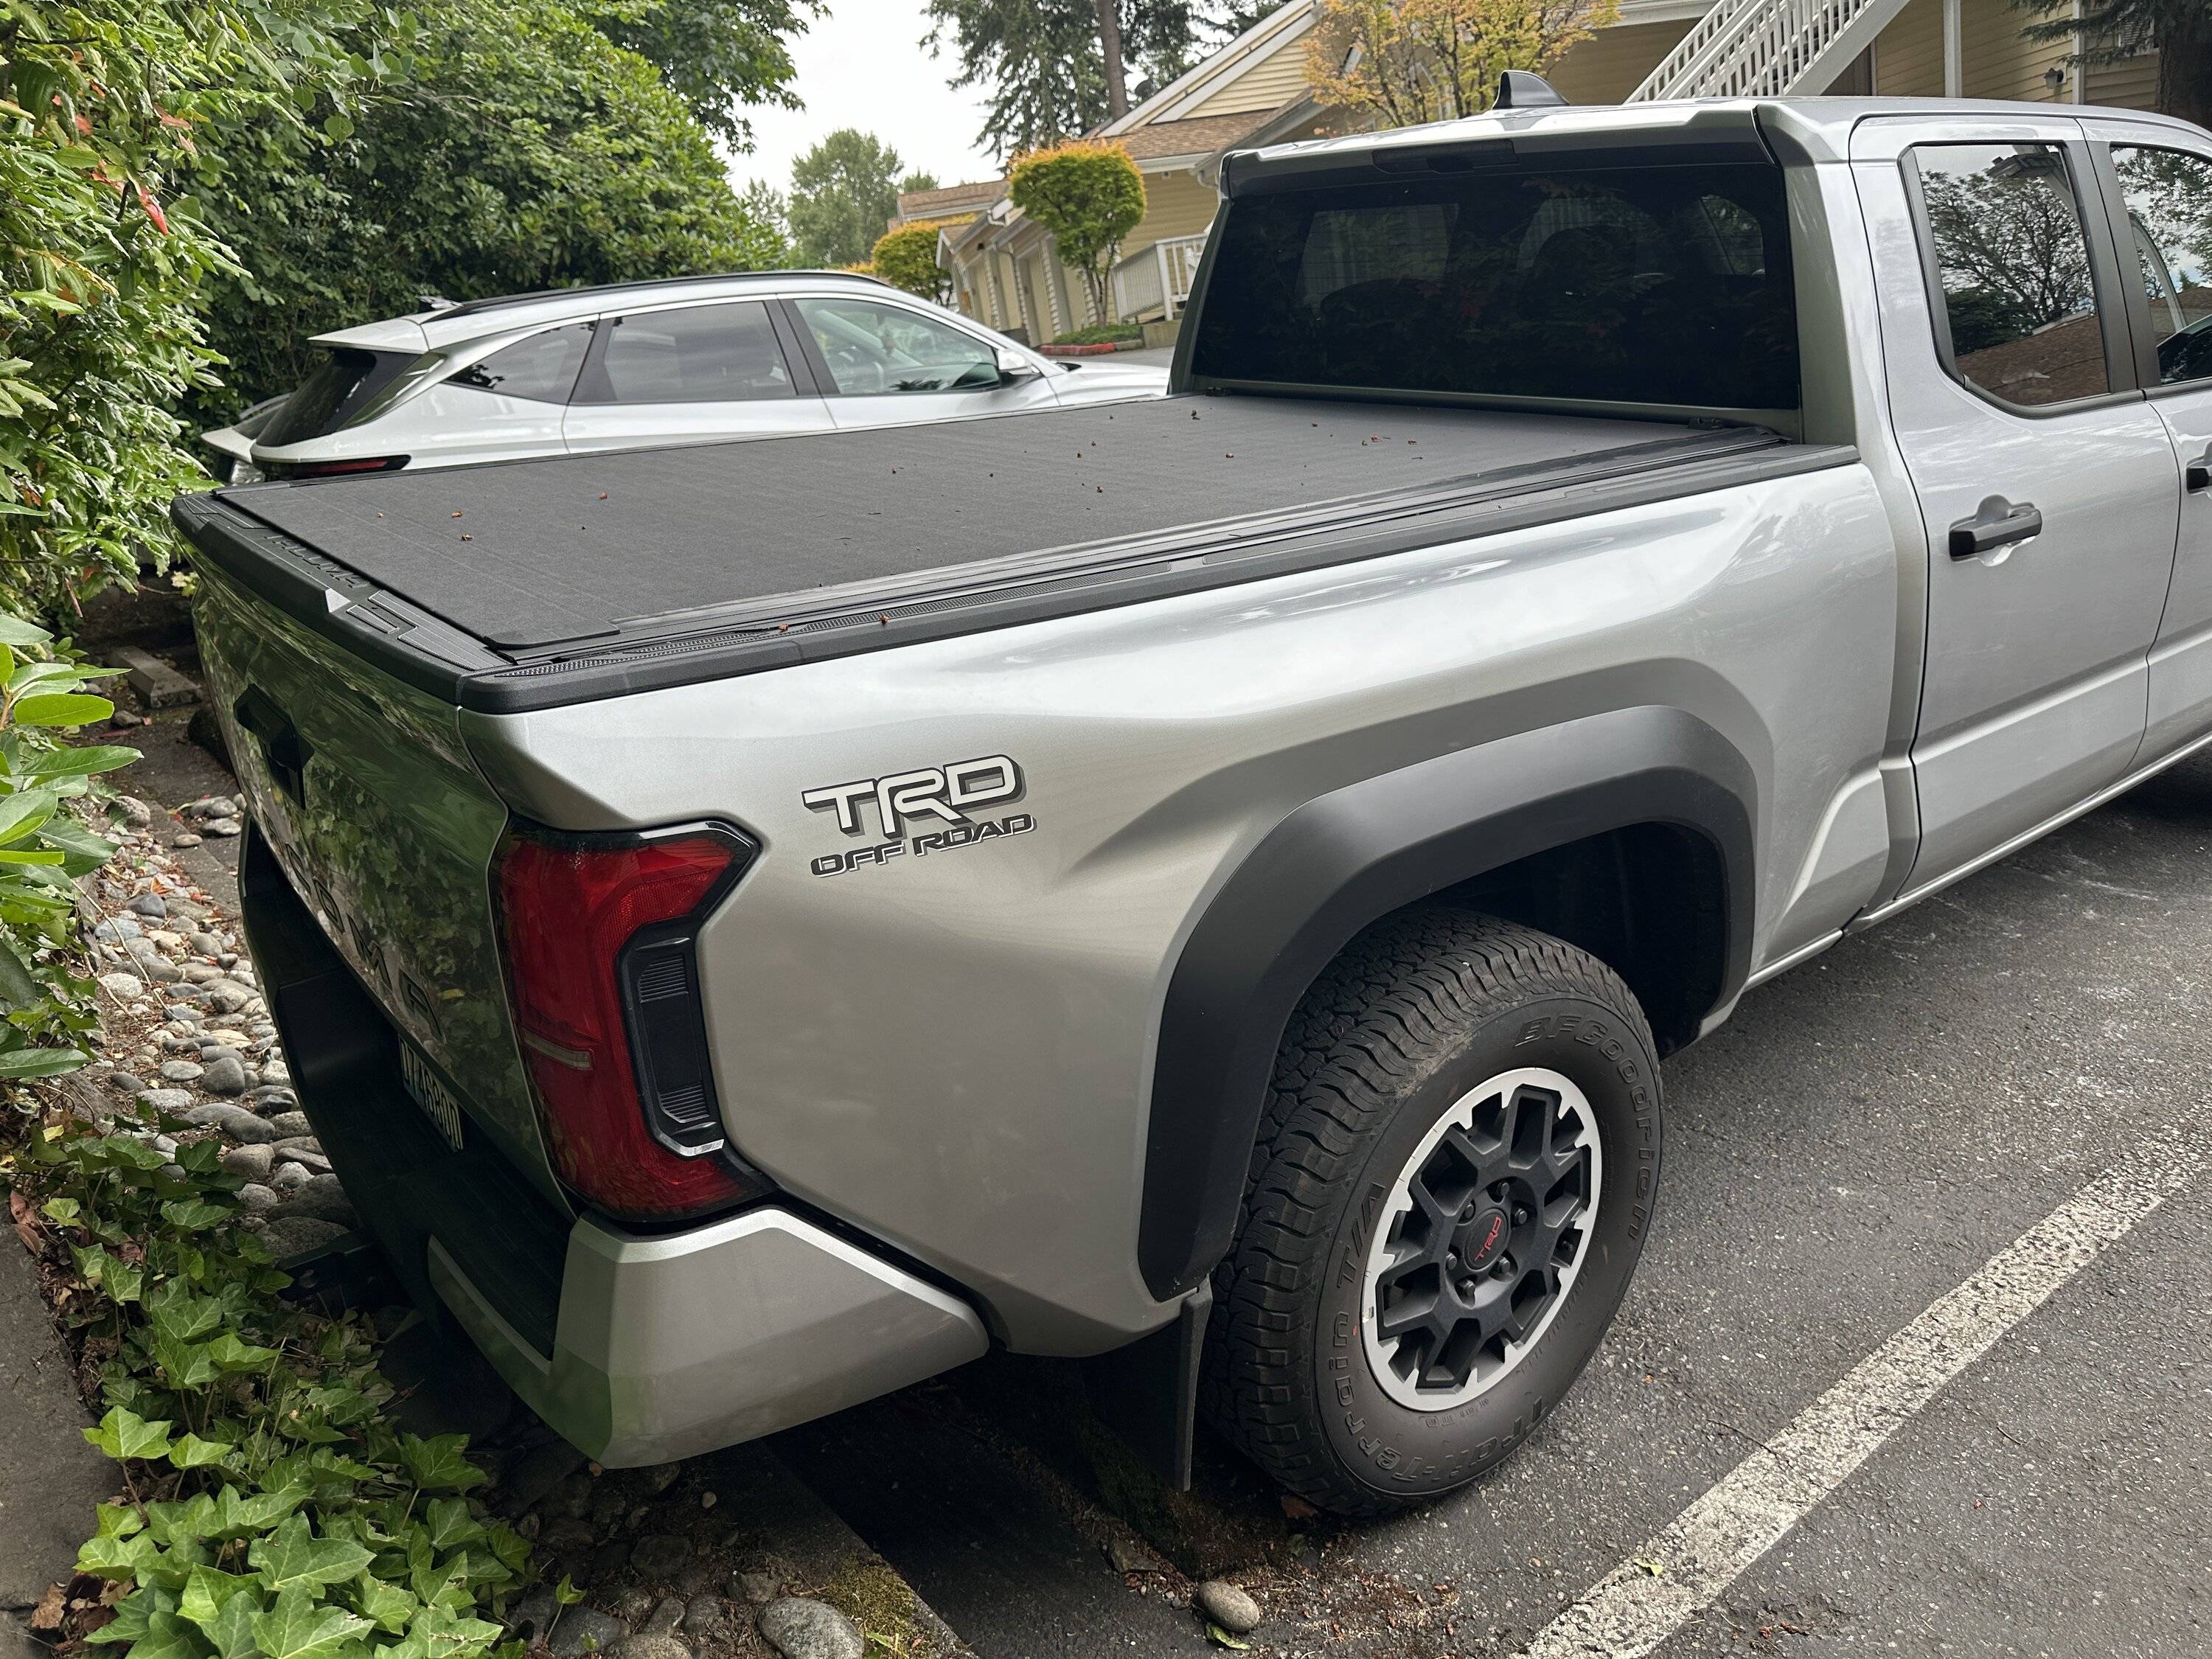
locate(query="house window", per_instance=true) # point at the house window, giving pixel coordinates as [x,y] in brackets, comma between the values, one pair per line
[2169,194]
[2018,299]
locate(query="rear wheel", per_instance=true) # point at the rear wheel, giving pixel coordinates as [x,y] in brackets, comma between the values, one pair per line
[1451,1189]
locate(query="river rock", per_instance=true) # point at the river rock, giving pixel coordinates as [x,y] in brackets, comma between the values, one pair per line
[235,1122]
[1229,1607]
[124,987]
[660,1555]
[290,1235]
[585,1631]
[181,1071]
[800,1627]
[252,1162]
[226,1075]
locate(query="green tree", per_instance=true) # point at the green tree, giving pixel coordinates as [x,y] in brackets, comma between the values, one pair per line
[843,191]
[107,108]
[2179,31]
[1046,62]
[907,257]
[1089,197]
[1404,62]
[715,55]
[523,150]
[768,209]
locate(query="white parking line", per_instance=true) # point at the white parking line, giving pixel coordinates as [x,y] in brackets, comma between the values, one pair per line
[1679,1571]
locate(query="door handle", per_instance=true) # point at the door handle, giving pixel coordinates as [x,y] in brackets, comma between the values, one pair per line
[1996,523]
[2197,475]
[281,744]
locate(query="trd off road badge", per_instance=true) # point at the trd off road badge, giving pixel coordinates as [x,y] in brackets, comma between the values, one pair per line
[930,809]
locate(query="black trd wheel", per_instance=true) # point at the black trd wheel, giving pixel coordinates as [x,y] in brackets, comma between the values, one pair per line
[1451,1189]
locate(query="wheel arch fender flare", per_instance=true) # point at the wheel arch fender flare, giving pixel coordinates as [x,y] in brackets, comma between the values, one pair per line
[1348,858]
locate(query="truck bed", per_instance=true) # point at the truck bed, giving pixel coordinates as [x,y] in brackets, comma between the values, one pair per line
[640,564]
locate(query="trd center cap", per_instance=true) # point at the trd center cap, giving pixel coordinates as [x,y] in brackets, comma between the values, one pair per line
[1482,1241]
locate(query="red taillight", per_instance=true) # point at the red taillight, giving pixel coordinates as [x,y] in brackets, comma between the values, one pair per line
[336,469]
[599,966]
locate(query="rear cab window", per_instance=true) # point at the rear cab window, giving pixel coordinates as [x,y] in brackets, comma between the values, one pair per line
[1652,286]
[2020,317]
[339,386]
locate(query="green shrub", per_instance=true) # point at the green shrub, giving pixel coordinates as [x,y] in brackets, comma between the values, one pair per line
[1102,334]
[105,108]
[44,849]
[272,1508]
[907,257]
[1089,196]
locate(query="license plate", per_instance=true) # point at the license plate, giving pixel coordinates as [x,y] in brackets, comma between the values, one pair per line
[435,1099]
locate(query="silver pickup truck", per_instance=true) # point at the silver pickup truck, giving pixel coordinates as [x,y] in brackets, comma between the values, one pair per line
[1207,885]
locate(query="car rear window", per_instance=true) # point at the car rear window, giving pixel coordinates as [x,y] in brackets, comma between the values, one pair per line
[1646,285]
[335,390]
[541,368]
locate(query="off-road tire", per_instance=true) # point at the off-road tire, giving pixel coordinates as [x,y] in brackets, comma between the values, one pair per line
[1417,1012]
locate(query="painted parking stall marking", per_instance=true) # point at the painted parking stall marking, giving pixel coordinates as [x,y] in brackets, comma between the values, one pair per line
[1681,1570]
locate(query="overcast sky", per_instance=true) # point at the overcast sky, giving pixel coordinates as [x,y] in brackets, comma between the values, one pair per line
[863,65]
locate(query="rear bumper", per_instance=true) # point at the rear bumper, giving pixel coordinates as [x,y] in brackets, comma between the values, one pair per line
[673,1345]
[639,1349]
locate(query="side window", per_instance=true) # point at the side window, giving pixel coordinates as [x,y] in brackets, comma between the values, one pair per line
[700,354]
[2015,267]
[2169,195]
[542,368]
[872,348]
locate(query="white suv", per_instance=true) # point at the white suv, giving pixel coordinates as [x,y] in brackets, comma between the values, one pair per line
[688,360]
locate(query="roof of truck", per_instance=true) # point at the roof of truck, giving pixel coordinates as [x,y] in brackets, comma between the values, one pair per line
[1822,125]
[527,554]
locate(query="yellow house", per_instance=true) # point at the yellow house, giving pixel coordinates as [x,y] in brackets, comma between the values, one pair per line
[1252,92]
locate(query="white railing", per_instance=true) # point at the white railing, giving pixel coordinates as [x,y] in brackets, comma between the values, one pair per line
[1158,278]
[1767,48]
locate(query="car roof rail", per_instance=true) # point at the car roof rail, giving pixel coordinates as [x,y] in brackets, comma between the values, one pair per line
[472,307]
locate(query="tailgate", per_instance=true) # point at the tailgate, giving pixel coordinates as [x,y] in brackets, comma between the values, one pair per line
[381,824]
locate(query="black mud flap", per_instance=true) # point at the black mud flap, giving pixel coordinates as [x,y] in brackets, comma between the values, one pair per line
[1147,1393]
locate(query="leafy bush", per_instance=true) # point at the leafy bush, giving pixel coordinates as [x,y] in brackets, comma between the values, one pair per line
[43,848]
[907,257]
[104,109]
[1089,196]
[272,1509]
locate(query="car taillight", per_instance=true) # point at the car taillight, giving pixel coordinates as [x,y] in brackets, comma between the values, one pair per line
[599,934]
[334,469]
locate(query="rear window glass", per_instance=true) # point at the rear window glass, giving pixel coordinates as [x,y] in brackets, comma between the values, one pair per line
[542,368]
[2018,299]
[1657,285]
[335,390]
[700,354]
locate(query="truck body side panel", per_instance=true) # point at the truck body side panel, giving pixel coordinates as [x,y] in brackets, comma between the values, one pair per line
[951,1045]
